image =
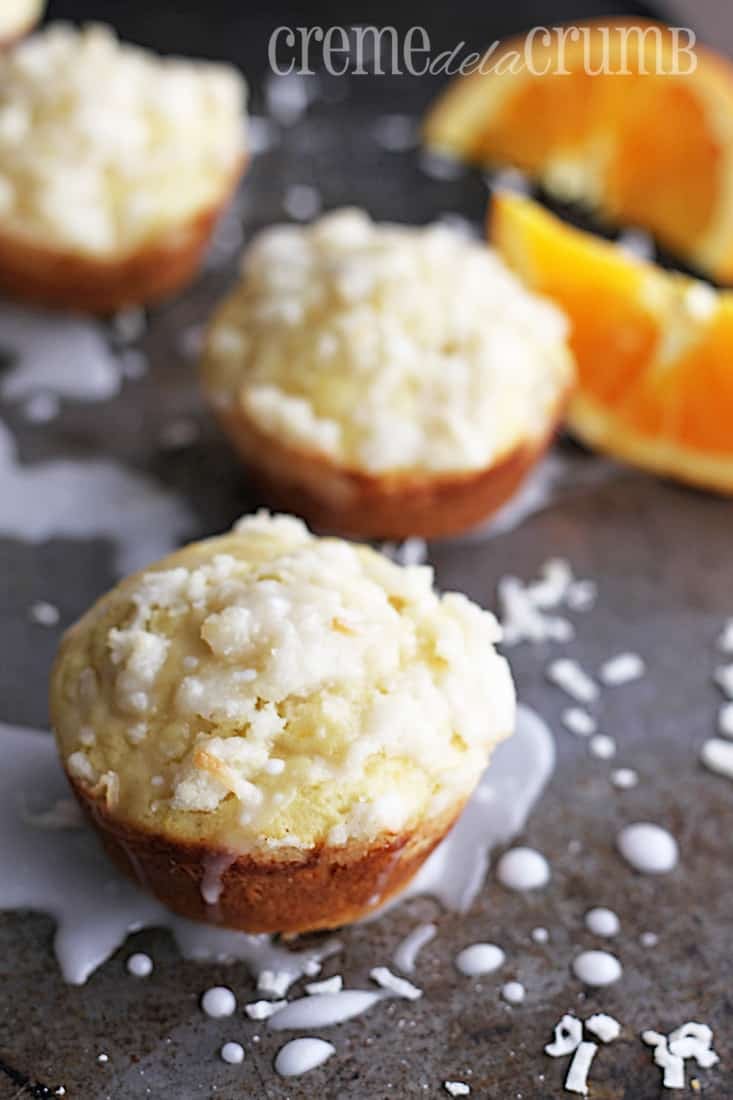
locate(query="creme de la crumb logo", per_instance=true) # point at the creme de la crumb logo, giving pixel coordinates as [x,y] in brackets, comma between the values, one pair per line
[376,51]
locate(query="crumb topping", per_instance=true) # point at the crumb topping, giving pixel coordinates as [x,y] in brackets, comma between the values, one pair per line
[387,347]
[104,145]
[282,690]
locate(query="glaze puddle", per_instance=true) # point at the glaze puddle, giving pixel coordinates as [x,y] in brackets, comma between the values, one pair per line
[63,871]
[142,519]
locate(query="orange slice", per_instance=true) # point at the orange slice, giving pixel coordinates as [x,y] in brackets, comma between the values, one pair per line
[649,148]
[654,349]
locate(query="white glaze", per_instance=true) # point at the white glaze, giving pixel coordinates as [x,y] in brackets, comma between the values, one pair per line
[139,965]
[301,1055]
[143,520]
[622,669]
[328,985]
[498,810]
[44,613]
[725,720]
[479,958]
[513,993]
[406,953]
[84,370]
[568,675]
[540,935]
[648,848]
[456,1088]
[326,1010]
[384,978]
[218,1002]
[624,778]
[523,869]
[597,968]
[602,922]
[724,679]
[233,1053]
[579,722]
[67,875]
[717,756]
[602,746]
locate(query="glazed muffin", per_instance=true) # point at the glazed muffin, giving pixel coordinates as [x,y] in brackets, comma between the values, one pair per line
[383,380]
[114,166]
[272,731]
[17,17]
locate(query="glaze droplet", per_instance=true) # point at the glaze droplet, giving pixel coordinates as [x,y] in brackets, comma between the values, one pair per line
[523,869]
[597,968]
[479,958]
[602,922]
[219,1002]
[301,1055]
[648,848]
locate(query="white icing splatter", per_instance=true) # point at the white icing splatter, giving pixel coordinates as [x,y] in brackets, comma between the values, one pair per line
[233,1053]
[328,985]
[579,722]
[540,935]
[513,993]
[325,1010]
[406,952]
[602,746]
[622,669]
[263,1010]
[567,674]
[399,986]
[139,965]
[597,968]
[648,848]
[523,869]
[44,613]
[602,922]
[624,778]
[456,1088]
[55,354]
[480,958]
[301,1055]
[568,1035]
[717,756]
[218,1002]
[143,520]
[577,1078]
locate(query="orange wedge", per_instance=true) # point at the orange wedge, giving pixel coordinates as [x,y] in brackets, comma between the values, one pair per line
[649,148]
[654,349]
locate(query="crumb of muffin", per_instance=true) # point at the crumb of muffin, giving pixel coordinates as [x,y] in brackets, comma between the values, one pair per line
[294,692]
[387,348]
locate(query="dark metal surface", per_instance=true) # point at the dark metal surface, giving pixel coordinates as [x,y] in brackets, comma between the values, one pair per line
[661,556]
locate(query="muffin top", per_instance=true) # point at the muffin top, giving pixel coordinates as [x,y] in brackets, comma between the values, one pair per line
[387,348]
[270,690]
[104,145]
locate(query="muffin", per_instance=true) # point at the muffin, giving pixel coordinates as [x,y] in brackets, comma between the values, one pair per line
[114,166]
[382,380]
[272,731]
[17,17]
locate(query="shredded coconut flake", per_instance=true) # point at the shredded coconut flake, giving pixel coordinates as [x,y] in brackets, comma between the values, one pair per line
[622,669]
[567,674]
[400,986]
